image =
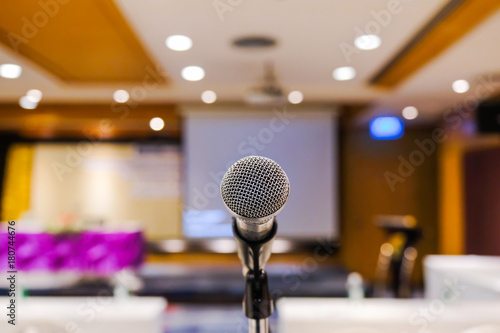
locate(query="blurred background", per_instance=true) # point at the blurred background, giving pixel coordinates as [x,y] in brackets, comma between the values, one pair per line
[119,118]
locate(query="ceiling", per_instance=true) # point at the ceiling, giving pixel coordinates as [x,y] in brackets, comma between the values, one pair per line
[309,35]
[98,46]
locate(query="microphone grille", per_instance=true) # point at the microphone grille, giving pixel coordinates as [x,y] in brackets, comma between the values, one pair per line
[255,187]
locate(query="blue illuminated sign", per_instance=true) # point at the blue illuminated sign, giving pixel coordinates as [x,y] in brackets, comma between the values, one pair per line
[386,128]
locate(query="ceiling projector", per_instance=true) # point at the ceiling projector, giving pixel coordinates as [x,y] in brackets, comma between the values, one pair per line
[267,94]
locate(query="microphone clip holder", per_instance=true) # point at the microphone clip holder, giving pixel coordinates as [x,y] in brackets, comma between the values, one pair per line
[257,301]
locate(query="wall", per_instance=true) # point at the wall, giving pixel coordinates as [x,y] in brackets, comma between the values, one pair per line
[482,198]
[366,193]
[453,189]
[451,203]
[104,183]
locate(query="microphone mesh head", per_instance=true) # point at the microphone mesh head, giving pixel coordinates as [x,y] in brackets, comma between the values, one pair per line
[255,187]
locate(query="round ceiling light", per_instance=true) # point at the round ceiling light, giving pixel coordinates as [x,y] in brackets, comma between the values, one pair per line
[410,112]
[179,43]
[460,86]
[208,96]
[156,124]
[295,97]
[121,96]
[368,42]
[26,103]
[10,71]
[344,73]
[34,95]
[193,73]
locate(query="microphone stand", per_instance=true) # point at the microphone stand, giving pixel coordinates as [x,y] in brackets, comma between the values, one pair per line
[257,302]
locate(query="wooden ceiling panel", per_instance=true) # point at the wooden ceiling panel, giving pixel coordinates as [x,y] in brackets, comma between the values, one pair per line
[98,121]
[78,41]
[453,22]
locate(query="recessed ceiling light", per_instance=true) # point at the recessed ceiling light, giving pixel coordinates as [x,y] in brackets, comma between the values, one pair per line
[179,42]
[193,73]
[34,95]
[121,96]
[410,112]
[295,97]
[344,73]
[208,96]
[460,86]
[367,42]
[26,103]
[10,71]
[156,124]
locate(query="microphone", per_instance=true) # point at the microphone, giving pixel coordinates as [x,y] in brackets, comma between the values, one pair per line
[255,189]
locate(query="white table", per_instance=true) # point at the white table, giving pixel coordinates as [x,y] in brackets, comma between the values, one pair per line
[479,276]
[85,314]
[323,315]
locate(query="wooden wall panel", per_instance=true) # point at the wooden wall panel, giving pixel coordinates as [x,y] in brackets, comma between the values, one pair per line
[365,194]
[482,202]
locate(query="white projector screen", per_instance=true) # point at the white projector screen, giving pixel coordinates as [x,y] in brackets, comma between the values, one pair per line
[304,144]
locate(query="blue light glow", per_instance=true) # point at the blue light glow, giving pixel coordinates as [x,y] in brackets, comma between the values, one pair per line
[386,128]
